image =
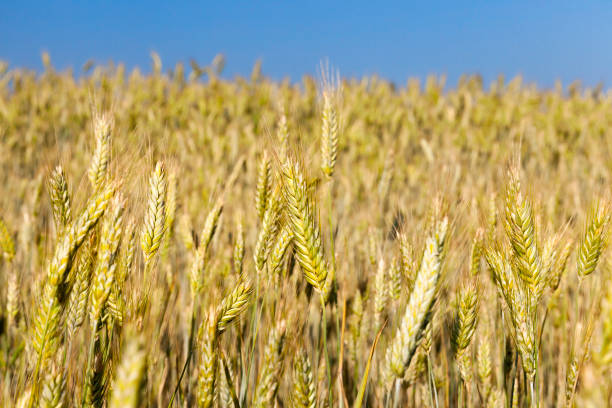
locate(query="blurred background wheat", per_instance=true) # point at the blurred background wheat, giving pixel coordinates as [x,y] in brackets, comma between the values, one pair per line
[180,240]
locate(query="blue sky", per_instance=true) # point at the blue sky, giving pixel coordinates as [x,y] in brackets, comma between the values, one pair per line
[543,41]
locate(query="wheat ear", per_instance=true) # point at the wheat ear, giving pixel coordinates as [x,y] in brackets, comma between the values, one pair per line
[207,367]
[416,317]
[98,170]
[155,217]
[45,336]
[466,317]
[233,305]
[239,248]
[306,234]
[329,134]
[104,274]
[267,233]
[129,381]
[303,393]
[269,375]
[60,198]
[53,394]
[593,241]
[520,228]
[264,185]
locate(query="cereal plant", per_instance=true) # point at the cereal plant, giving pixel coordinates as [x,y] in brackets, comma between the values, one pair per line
[175,241]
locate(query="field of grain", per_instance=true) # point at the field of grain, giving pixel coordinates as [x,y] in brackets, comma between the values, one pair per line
[176,239]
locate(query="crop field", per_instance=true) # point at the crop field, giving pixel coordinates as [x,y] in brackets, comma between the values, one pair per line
[178,239]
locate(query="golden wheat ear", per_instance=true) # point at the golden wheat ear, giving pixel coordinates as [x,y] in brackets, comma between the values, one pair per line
[267,233]
[155,217]
[210,225]
[280,248]
[6,242]
[521,232]
[45,336]
[306,234]
[264,184]
[329,134]
[418,312]
[127,388]
[233,305]
[381,293]
[303,392]
[53,394]
[238,253]
[270,372]
[464,326]
[7,246]
[593,241]
[98,169]
[60,198]
[208,360]
[105,273]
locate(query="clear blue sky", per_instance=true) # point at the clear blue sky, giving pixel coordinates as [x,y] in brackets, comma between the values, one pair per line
[543,41]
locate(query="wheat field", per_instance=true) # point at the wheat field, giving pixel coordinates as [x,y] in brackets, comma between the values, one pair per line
[177,240]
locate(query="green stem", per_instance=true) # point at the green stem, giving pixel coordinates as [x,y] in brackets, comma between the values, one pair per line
[396,393]
[92,346]
[327,363]
[333,249]
[34,393]
[189,354]
[331,225]
[254,315]
[460,394]
[257,313]
[534,394]
[433,393]
[35,383]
